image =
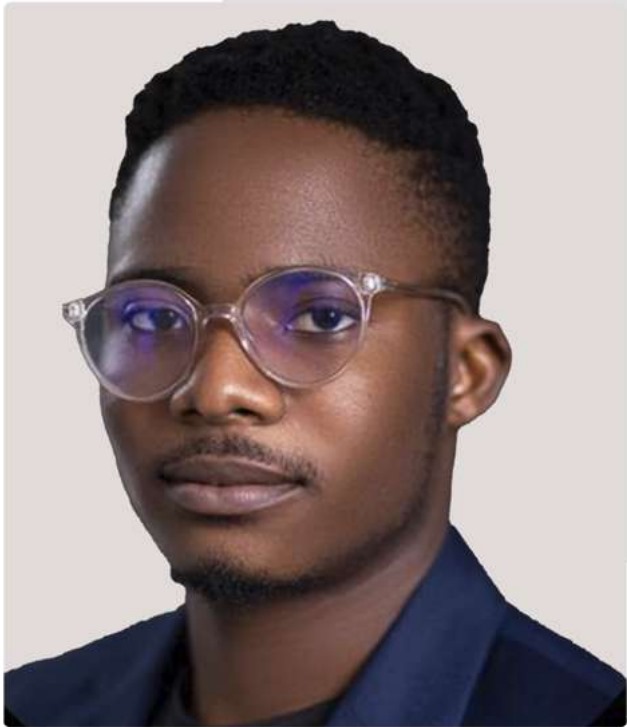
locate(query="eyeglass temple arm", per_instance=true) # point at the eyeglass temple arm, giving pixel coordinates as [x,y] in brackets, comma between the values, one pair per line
[435,293]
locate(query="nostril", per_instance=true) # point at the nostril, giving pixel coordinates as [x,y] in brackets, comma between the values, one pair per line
[242,411]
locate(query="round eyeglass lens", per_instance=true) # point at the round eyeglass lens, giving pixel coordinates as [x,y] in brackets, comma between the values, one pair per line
[140,339]
[304,324]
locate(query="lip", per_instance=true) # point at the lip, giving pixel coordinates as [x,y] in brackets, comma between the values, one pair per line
[223,472]
[232,500]
[210,486]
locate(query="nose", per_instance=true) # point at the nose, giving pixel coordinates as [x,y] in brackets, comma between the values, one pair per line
[225,386]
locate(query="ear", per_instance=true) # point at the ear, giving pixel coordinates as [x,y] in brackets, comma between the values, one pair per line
[479,363]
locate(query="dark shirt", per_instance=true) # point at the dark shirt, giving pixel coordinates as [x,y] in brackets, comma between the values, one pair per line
[175,709]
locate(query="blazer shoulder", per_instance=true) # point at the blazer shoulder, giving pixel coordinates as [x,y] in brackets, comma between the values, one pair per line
[48,685]
[541,677]
[574,661]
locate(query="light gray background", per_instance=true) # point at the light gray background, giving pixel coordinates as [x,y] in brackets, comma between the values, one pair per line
[539,480]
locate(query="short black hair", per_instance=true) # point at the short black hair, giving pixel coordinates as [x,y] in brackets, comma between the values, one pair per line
[348,77]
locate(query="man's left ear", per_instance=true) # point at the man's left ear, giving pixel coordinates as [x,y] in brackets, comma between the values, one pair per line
[479,363]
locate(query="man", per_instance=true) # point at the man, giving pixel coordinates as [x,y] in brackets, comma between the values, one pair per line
[287,344]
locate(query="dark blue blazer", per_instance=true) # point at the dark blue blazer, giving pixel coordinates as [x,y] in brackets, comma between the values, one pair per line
[458,654]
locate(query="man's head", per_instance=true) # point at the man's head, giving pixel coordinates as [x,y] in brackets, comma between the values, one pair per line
[306,146]
[349,78]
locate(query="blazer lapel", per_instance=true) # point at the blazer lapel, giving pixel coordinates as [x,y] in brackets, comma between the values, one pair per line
[424,670]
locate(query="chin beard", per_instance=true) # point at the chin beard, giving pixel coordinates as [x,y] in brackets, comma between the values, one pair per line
[230,582]
[221,582]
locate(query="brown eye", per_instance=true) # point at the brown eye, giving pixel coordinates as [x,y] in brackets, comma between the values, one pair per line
[145,318]
[322,318]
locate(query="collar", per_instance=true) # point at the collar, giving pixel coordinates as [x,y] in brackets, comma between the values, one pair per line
[425,668]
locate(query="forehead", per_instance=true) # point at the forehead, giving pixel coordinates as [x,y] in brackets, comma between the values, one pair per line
[236,192]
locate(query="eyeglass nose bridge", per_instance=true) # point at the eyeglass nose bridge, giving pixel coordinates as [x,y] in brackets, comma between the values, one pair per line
[228,312]
[222,311]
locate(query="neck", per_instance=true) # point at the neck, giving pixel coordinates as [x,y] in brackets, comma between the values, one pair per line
[255,662]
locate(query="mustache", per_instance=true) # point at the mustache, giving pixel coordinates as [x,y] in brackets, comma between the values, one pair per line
[297,467]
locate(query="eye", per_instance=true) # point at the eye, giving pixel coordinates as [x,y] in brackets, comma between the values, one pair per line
[152,318]
[322,318]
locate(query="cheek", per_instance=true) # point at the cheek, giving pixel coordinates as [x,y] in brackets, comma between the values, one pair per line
[376,427]
[134,433]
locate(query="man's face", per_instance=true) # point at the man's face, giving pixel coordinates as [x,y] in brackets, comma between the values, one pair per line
[230,195]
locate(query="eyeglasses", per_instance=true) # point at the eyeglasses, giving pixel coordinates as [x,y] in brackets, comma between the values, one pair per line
[299,325]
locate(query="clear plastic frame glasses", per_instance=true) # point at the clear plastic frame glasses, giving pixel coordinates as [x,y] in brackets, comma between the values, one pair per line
[300,326]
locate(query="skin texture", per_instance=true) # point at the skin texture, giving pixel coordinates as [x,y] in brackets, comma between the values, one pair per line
[225,197]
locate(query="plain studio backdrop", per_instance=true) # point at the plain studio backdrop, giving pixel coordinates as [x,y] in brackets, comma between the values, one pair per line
[538,485]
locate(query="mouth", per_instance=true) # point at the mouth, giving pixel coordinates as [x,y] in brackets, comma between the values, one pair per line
[210,486]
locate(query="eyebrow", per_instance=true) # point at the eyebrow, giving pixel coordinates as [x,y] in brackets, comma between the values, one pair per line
[186,276]
[181,277]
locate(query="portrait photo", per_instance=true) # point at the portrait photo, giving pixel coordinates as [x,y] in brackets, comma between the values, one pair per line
[314,363]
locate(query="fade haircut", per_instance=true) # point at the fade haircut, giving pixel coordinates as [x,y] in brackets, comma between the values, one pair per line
[347,77]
